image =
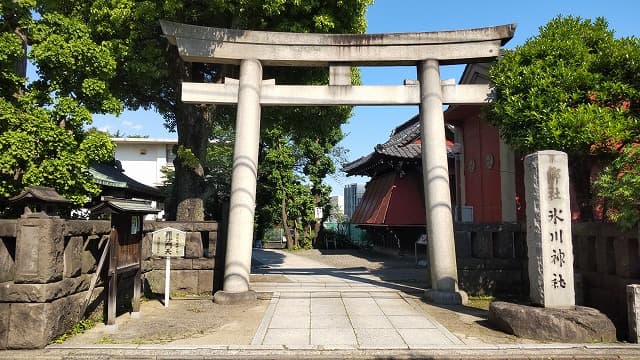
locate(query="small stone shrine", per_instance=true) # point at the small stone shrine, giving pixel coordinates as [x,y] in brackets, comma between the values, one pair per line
[39,201]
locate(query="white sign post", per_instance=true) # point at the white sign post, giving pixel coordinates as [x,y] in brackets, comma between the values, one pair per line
[168,242]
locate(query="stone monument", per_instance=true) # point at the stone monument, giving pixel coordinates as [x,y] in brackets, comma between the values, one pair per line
[549,229]
[554,315]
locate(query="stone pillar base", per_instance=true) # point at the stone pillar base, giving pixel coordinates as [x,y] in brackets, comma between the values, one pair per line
[228,298]
[457,297]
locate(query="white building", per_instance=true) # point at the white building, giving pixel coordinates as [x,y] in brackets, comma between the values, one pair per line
[143,158]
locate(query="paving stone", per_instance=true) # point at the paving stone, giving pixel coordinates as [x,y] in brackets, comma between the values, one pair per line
[369,338]
[396,307]
[424,337]
[325,310]
[325,295]
[337,336]
[411,322]
[370,322]
[385,295]
[330,322]
[286,336]
[290,322]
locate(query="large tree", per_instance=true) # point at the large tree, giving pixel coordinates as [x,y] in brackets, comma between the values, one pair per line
[150,72]
[42,136]
[573,87]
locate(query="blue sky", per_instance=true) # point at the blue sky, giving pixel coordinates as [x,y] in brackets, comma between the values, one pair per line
[372,125]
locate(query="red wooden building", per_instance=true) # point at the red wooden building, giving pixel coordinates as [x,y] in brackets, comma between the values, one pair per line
[484,173]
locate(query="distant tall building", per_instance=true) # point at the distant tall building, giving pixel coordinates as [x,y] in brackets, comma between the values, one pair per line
[352,196]
[337,208]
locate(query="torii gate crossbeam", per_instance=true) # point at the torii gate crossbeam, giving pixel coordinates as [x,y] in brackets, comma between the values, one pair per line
[253,49]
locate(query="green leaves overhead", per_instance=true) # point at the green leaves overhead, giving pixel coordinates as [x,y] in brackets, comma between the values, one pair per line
[574,88]
[567,88]
[42,136]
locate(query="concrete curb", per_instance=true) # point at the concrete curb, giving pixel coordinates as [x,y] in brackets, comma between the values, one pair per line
[493,351]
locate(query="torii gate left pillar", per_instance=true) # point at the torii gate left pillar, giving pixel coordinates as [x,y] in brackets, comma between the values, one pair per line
[242,205]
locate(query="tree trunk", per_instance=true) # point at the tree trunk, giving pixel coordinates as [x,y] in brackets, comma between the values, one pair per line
[285,222]
[193,123]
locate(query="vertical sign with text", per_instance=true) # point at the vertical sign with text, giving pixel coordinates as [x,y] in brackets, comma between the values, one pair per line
[549,229]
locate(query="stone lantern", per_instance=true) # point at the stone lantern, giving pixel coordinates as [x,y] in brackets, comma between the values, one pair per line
[40,201]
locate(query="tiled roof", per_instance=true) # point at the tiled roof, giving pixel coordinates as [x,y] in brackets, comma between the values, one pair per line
[110,205]
[42,193]
[109,174]
[400,145]
[403,144]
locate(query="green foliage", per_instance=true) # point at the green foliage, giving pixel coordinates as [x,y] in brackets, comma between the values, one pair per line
[619,185]
[77,329]
[574,88]
[42,136]
[148,72]
[187,157]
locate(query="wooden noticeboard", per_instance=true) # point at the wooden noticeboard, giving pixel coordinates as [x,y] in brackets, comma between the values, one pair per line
[125,246]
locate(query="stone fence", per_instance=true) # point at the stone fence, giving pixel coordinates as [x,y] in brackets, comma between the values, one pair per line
[607,260]
[492,258]
[46,266]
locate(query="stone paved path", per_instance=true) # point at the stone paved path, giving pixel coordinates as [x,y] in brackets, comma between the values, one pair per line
[323,307]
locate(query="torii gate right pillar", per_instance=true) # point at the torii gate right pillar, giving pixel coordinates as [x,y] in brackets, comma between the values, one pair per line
[442,252]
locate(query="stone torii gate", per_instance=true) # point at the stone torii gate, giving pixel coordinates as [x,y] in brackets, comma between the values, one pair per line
[253,49]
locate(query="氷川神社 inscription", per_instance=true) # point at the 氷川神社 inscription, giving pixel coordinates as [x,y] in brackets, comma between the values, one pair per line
[549,229]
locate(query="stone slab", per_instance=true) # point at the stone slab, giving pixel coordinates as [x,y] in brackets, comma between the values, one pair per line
[91,254]
[5,312]
[39,250]
[411,322]
[370,322]
[575,325]
[327,321]
[370,338]
[335,336]
[8,227]
[73,256]
[7,261]
[205,281]
[204,263]
[193,247]
[414,337]
[290,322]
[22,293]
[287,336]
[34,325]
[86,227]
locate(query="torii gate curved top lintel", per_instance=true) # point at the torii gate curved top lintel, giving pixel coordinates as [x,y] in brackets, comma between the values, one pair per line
[252,49]
[208,44]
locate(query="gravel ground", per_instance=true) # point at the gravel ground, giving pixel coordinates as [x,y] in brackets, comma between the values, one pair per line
[349,258]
